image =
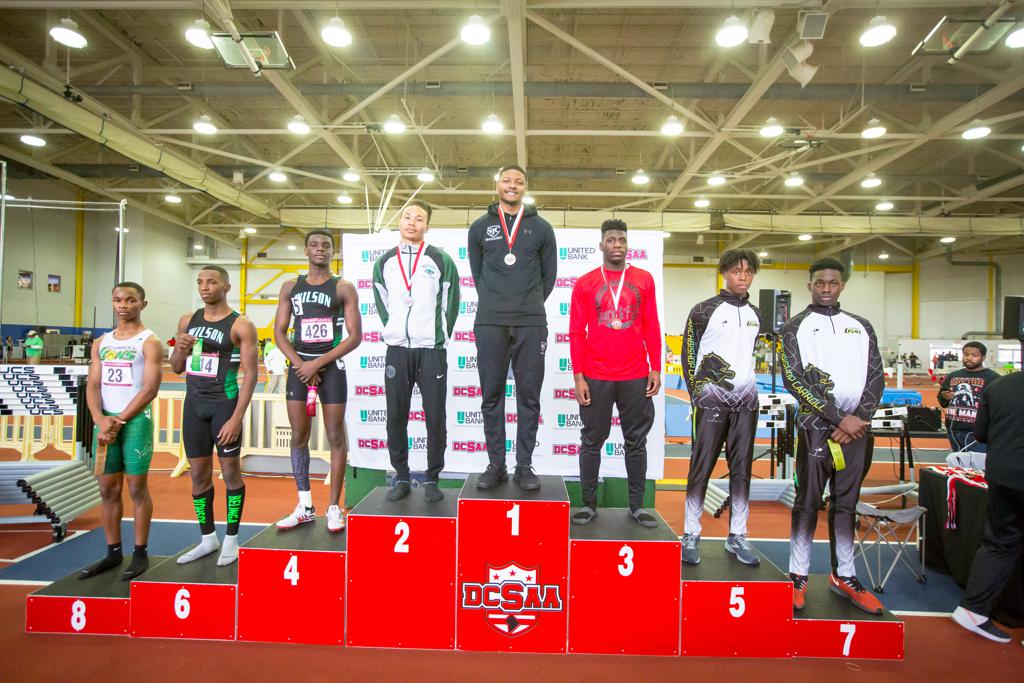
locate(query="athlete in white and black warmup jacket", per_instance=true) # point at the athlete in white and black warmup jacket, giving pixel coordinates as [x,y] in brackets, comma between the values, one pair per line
[416,287]
[831,365]
[718,364]
[514,259]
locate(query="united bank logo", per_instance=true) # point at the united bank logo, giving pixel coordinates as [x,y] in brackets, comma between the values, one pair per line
[463,254]
[368,309]
[372,362]
[371,255]
[467,307]
[417,443]
[513,599]
[569,421]
[564,365]
[469,417]
[576,253]
[510,390]
[563,309]
[373,416]
[467,362]
[614,450]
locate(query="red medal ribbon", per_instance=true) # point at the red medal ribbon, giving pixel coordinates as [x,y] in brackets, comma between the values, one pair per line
[415,265]
[510,238]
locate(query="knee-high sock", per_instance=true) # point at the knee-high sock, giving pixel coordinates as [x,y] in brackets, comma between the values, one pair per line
[300,467]
[203,503]
[236,499]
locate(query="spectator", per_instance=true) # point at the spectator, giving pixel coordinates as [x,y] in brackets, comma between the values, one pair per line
[274,361]
[960,393]
[9,347]
[33,347]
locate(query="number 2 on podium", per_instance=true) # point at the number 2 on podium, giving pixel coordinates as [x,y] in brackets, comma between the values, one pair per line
[513,515]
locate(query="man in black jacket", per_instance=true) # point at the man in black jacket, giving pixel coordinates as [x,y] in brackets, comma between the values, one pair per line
[1000,424]
[514,259]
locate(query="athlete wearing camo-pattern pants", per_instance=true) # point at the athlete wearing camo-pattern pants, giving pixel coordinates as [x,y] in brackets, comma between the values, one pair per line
[831,365]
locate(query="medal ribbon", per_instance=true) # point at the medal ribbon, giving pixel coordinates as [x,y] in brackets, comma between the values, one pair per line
[617,292]
[415,265]
[510,238]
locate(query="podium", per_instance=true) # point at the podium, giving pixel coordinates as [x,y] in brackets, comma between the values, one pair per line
[623,586]
[513,556]
[193,601]
[830,626]
[291,586]
[402,555]
[99,605]
[733,610]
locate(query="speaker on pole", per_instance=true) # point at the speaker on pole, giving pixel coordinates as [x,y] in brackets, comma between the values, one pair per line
[774,305]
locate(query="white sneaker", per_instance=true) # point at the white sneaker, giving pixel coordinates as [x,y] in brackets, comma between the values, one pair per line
[335,519]
[300,515]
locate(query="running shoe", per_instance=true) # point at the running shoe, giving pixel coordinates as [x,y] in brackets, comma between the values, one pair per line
[849,587]
[300,515]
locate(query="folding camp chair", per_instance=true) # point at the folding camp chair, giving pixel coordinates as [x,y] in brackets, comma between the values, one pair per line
[885,526]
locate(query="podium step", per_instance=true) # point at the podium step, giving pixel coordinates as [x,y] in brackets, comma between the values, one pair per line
[100,605]
[552,489]
[830,626]
[192,601]
[291,585]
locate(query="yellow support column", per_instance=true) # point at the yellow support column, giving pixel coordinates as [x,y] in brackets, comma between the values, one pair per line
[915,301]
[242,276]
[79,252]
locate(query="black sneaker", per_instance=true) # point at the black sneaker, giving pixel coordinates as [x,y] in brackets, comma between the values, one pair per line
[431,492]
[400,491]
[980,624]
[492,476]
[526,479]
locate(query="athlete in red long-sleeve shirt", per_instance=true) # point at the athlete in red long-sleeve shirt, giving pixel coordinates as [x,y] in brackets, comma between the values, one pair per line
[615,343]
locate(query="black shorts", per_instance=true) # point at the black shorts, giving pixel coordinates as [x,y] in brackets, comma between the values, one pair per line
[332,388]
[201,422]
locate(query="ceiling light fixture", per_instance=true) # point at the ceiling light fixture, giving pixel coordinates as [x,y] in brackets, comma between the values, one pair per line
[475,31]
[394,125]
[762,254]
[350,176]
[335,33]
[492,125]
[297,124]
[805,237]
[528,199]
[672,127]
[870,181]
[198,34]
[878,32]
[794,180]
[67,33]
[884,255]
[640,178]
[947,240]
[277,176]
[197,246]
[732,33]
[291,247]
[172,199]
[772,128]
[874,129]
[204,125]
[716,179]
[251,230]
[884,206]
[976,130]
[1015,39]
[702,202]
[425,175]
[33,140]
[344,199]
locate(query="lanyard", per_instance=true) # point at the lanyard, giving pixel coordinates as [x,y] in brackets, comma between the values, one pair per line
[415,264]
[617,292]
[511,237]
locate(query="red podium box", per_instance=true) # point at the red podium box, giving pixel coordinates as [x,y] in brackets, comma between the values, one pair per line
[623,586]
[732,610]
[291,586]
[96,606]
[513,548]
[192,601]
[829,626]
[402,552]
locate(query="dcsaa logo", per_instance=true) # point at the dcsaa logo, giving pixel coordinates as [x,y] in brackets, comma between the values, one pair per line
[513,599]
[636,254]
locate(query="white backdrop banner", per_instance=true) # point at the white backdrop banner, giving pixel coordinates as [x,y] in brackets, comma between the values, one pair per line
[558,437]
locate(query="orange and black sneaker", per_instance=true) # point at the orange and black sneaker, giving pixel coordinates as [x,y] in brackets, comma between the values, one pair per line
[849,587]
[799,591]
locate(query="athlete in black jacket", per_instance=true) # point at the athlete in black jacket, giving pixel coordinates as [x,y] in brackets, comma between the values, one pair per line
[514,259]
